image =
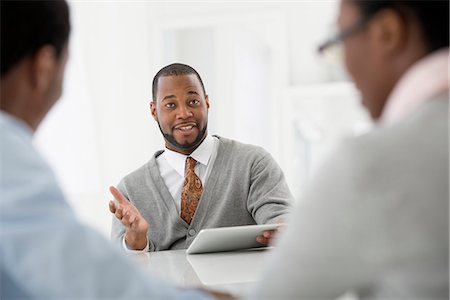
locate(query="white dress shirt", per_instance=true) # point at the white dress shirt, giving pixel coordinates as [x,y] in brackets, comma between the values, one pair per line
[172,165]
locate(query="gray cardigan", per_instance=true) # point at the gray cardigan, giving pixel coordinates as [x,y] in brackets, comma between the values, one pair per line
[245,187]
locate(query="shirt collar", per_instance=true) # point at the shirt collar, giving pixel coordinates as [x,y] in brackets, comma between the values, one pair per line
[424,80]
[18,125]
[202,155]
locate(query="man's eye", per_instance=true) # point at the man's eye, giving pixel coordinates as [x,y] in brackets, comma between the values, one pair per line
[169,105]
[194,102]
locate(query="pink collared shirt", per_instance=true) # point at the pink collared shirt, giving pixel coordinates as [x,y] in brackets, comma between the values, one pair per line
[427,78]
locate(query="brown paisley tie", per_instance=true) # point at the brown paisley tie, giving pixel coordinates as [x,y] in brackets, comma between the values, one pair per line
[192,191]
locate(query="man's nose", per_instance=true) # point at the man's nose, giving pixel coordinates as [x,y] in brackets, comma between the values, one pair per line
[184,112]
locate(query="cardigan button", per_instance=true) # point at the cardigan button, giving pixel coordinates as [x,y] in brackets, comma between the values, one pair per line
[192,232]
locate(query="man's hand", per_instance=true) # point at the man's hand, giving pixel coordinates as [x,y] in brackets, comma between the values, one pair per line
[219,295]
[268,236]
[129,216]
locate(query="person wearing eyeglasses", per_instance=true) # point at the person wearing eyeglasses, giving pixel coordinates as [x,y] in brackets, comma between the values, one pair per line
[374,220]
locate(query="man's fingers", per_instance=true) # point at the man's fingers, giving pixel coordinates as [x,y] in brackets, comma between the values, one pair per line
[134,221]
[266,237]
[126,212]
[112,207]
[126,220]
[262,240]
[269,233]
[119,213]
[118,195]
[219,295]
[132,218]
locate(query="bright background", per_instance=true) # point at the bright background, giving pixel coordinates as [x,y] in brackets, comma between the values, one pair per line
[266,83]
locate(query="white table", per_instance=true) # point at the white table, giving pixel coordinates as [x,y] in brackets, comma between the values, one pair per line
[234,272]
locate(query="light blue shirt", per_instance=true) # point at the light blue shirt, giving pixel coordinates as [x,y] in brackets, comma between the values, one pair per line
[45,252]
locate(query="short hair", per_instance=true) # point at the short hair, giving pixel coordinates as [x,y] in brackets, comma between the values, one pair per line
[27,26]
[175,69]
[431,15]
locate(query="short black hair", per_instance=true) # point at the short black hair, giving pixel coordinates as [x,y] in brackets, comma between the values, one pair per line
[432,16]
[26,26]
[174,70]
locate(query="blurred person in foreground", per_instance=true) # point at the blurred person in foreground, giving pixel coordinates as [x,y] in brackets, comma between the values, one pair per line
[45,252]
[375,217]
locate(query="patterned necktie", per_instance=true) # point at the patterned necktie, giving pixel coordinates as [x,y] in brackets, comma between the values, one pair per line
[192,191]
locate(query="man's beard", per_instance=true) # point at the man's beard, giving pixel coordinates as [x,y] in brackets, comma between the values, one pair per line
[188,146]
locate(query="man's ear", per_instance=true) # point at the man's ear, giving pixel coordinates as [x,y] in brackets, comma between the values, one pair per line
[389,31]
[44,65]
[207,101]
[153,110]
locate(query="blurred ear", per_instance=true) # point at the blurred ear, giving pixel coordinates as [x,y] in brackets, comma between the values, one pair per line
[389,32]
[44,67]
[207,101]
[153,110]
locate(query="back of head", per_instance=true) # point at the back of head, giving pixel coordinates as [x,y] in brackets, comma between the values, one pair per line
[175,69]
[26,26]
[431,15]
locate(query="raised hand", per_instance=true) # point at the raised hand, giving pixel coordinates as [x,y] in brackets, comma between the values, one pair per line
[136,226]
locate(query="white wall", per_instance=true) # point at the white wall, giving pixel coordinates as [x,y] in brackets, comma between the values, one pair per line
[258,60]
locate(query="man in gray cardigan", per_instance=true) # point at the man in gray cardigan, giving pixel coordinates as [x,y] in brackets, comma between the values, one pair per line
[239,184]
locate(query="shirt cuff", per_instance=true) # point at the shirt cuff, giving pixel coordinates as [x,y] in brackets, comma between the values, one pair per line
[128,250]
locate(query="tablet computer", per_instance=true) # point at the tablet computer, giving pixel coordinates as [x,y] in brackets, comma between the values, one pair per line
[228,238]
